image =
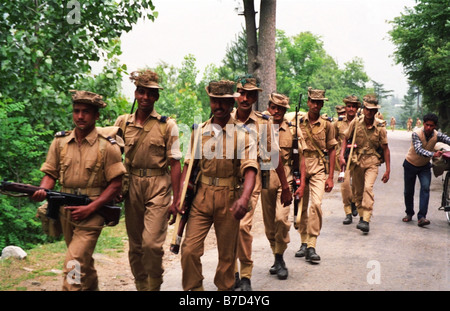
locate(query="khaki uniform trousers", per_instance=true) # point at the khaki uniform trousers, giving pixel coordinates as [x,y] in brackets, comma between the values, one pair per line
[244,251]
[146,211]
[275,215]
[364,178]
[347,191]
[81,238]
[311,218]
[211,205]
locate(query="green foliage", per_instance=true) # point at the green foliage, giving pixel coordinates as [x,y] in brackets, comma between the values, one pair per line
[422,38]
[46,49]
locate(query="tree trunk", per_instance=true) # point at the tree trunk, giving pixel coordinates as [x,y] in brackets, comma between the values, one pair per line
[252,41]
[266,52]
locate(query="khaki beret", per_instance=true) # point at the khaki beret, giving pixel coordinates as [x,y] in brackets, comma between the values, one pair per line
[221,89]
[89,98]
[279,99]
[146,78]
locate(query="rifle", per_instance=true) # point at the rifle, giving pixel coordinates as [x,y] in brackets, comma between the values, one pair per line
[56,199]
[296,165]
[187,196]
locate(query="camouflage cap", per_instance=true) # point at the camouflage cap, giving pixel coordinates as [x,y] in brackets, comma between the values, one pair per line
[371,101]
[339,108]
[352,99]
[279,100]
[315,94]
[222,89]
[248,83]
[146,78]
[89,98]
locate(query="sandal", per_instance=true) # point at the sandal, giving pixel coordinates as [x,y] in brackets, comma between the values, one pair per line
[423,222]
[407,218]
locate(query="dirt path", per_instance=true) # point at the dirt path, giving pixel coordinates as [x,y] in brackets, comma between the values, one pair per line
[405,256]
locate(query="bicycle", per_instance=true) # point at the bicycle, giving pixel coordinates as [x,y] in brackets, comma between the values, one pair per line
[445,203]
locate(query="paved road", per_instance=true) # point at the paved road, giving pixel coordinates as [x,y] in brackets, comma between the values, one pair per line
[393,256]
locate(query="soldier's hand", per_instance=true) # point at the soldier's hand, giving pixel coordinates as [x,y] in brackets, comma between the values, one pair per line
[239,208]
[385,178]
[329,184]
[342,161]
[119,198]
[80,212]
[172,214]
[300,191]
[39,195]
[286,197]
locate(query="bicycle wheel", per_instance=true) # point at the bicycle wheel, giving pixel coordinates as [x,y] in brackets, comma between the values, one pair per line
[446,196]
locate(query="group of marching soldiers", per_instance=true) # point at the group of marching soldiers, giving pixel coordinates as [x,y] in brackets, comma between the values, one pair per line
[275,157]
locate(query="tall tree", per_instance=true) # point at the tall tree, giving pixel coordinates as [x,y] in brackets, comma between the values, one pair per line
[261,46]
[422,38]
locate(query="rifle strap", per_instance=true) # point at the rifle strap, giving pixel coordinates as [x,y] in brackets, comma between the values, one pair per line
[100,155]
[321,154]
[148,125]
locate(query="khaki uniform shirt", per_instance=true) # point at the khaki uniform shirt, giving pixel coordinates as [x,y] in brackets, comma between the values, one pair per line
[367,141]
[286,137]
[322,132]
[79,161]
[160,144]
[340,126]
[215,158]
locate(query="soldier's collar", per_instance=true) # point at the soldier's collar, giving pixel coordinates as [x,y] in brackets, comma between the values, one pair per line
[91,138]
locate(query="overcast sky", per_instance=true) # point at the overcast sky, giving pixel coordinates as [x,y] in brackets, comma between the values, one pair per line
[204,28]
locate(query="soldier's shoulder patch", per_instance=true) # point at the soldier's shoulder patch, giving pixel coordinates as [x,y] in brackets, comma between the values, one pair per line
[340,118]
[262,115]
[163,119]
[325,117]
[62,133]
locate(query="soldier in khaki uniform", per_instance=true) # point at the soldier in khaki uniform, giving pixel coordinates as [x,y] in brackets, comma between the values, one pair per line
[151,148]
[275,214]
[393,122]
[409,125]
[224,158]
[84,162]
[352,104]
[370,137]
[248,88]
[319,136]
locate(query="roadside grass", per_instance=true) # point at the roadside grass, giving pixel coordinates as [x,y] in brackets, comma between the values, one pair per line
[45,262]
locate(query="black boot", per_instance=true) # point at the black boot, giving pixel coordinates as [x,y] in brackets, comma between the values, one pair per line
[280,265]
[311,255]
[245,285]
[348,219]
[237,281]
[302,251]
[363,226]
[354,210]
[273,269]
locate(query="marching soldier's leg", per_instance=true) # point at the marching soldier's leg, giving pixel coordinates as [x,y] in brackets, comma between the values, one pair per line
[79,270]
[371,174]
[303,222]
[192,248]
[244,251]
[134,221]
[155,228]
[317,190]
[227,232]
[346,192]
